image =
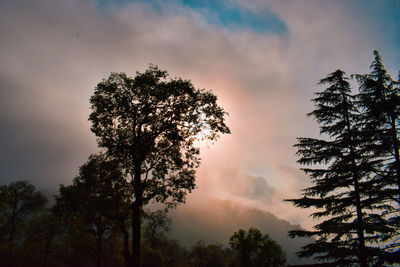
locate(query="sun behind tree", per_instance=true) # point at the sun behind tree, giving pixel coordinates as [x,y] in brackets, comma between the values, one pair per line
[150,124]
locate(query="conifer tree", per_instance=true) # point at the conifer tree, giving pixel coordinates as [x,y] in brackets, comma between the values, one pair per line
[343,192]
[379,101]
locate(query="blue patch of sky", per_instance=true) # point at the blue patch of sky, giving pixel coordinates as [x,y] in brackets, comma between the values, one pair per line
[389,25]
[384,17]
[223,13]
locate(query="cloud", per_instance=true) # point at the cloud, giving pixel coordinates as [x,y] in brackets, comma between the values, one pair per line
[257,188]
[220,13]
[53,53]
[215,221]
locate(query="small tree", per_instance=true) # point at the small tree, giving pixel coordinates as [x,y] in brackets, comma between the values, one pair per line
[95,202]
[150,124]
[252,248]
[42,232]
[18,202]
[156,227]
[212,255]
[270,254]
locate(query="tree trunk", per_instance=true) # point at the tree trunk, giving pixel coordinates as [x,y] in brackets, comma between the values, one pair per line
[99,234]
[125,252]
[99,250]
[13,224]
[362,257]
[47,248]
[11,240]
[360,226]
[360,221]
[137,219]
[396,152]
[136,236]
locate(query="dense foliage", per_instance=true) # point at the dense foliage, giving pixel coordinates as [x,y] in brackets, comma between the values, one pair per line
[18,202]
[355,171]
[253,248]
[149,124]
[80,230]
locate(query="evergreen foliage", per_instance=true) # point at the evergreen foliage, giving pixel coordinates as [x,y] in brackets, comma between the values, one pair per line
[379,101]
[354,168]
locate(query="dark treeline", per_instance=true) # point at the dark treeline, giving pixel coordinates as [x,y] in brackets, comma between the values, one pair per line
[355,170]
[73,232]
[147,130]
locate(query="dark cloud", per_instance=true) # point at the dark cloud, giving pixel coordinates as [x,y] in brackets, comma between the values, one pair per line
[257,188]
[40,151]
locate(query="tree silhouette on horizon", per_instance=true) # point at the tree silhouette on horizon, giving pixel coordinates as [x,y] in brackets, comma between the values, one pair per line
[149,124]
[354,168]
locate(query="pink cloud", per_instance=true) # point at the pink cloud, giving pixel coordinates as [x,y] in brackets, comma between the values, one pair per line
[55,53]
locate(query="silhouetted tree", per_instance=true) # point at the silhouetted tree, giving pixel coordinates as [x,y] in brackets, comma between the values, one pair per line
[168,253]
[344,192]
[270,254]
[150,124]
[379,101]
[156,227]
[95,201]
[255,249]
[41,233]
[213,255]
[19,201]
[197,255]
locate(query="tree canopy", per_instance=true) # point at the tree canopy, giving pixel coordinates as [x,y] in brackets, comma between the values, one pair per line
[253,248]
[96,201]
[18,201]
[354,170]
[149,124]
[379,102]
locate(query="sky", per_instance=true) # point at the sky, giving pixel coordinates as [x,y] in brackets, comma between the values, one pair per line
[262,58]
